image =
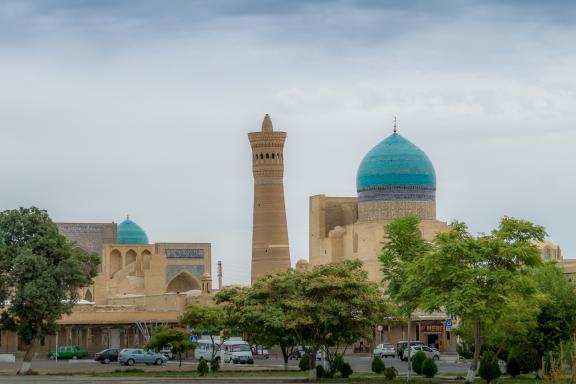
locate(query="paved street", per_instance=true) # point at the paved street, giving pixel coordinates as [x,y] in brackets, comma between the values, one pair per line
[359,364]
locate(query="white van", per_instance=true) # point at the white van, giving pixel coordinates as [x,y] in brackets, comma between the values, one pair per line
[235,350]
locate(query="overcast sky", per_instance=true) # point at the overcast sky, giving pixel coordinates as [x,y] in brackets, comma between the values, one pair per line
[110,108]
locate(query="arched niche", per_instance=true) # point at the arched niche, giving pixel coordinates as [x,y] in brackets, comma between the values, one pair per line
[183,282]
[130,257]
[115,262]
[146,257]
[88,295]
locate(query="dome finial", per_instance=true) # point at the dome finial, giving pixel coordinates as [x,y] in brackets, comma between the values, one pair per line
[395,124]
[267,124]
[127,217]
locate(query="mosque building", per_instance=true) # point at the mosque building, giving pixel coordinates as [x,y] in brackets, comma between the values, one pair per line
[140,285]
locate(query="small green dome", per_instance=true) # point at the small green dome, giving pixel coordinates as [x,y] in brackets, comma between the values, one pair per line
[396,169]
[131,233]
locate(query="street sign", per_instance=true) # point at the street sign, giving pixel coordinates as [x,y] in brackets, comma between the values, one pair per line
[380,328]
[448,324]
[193,338]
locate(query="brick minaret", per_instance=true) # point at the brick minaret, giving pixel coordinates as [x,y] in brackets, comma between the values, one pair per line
[270,250]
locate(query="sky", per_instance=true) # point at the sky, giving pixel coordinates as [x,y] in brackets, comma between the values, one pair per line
[109,108]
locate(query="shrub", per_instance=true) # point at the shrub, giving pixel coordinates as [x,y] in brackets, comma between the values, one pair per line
[345,370]
[304,363]
[320,373]
[513,366]
[489,368]
[390,373]
[527,358]
[336,363]
[202,367]
[429,368]
[215,365]
[417,361]
[378,365]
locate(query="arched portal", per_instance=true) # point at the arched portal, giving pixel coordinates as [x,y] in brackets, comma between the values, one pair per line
[183,282]
[130,257]
[115,262]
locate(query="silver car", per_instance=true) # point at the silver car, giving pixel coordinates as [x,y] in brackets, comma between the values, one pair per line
[131,356]
[430,352]
[384,350]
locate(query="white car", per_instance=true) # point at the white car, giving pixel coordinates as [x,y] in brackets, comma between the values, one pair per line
[384,350]
[430,352]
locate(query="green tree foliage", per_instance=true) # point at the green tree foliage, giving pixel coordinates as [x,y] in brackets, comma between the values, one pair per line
[179,341]
[476,277]
[489,368]
[556,320]
[210,320]
[377,365]
[202,367]
[404,245]
[429,368]
[513,366]
[41,274]
[331,305]
[345,370]
[417,361]
[259,312]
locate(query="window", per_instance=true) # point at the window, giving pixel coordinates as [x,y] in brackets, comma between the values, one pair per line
[261,156]
[267,155]
[272,155]
[546,253]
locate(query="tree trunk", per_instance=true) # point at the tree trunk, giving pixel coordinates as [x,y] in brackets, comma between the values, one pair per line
[27,362]
[284,350]
[540,367]
[312,364]
[477,346]
[179,360]
[408,348]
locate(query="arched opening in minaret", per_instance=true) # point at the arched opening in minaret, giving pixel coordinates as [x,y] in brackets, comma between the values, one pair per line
[267,155]
[273,156]
[261,157]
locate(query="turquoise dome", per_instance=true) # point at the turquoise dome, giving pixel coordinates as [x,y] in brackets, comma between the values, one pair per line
[396,169]
[131,233]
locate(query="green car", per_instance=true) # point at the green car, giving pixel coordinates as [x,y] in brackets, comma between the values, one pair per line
[68,352]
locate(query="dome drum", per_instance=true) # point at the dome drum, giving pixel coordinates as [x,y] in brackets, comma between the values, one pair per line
[397,192]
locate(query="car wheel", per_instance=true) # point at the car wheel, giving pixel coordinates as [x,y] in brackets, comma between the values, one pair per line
[74,357]
[158,362]
[52,357]
[436,357]
[106,361]
[130,362]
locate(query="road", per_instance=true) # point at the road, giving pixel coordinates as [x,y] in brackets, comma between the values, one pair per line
[358,363]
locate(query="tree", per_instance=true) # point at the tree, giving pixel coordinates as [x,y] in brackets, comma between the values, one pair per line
[179,341]
[476,277]
[417,361]
[41,275]
[331,305]
[404,244]
[258,312]
[210,320]
[556,319]
[489,368]
[429,368]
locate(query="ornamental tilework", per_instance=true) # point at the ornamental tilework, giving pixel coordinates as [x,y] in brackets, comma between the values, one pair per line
[195,270]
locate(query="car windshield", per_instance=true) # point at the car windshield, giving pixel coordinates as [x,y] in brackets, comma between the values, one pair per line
[240,348]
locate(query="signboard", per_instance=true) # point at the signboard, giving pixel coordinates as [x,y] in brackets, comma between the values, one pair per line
[193,338]
[448,324]
[380,328]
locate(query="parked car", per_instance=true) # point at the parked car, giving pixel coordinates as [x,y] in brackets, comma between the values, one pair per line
[384,350]
[131,356]
[68,352]
[401,347]
[299,351]
[107,355]
[430,352]
[167,351]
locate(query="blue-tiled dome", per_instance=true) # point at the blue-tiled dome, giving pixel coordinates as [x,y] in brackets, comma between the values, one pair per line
[396,169]
[131,233]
